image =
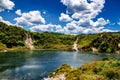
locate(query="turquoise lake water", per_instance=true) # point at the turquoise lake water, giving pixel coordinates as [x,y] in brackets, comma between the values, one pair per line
[35,65]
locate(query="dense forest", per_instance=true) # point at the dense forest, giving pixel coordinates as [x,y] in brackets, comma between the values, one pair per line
[102,42]
[13,37]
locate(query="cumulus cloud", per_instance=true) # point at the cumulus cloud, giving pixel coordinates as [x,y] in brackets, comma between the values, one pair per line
[100,22]
[83,8]
[18,12]
[6,4]
[72,28]
[47,27]
[78,17]
[31,18]
[82,13]
[75,5]
[7,22]
[86,26]
[75,27]
[65,18]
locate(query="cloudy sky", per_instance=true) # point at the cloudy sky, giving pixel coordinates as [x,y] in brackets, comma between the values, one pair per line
[63,16]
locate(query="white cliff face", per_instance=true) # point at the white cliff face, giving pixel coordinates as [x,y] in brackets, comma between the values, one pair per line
[119,45]
[58,77]
[94,49]
[75,45]
[29,43]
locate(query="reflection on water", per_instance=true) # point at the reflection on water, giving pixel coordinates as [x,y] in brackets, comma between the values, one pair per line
[34,65]
[10,60]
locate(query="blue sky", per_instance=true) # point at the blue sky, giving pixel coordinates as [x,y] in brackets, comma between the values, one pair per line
[63,16]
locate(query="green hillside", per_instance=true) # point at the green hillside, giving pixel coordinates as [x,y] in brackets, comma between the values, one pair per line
[98,70]
[13,37]
[53,41]
[103,42]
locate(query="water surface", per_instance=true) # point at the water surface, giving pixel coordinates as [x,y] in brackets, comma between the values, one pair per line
[35,65]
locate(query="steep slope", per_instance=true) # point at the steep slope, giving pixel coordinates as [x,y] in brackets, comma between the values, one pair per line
[75,48]
[29,42]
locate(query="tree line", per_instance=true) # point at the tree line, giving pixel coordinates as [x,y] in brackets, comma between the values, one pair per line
[14,36]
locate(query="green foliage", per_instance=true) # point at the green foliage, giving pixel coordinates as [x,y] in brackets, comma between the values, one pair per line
[85,40]
[53,40]
[2,46]
[98,70]
[104,42]
[13,36]
[63,69]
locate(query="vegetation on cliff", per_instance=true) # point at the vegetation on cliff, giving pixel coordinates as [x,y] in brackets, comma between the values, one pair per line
[15,37]
[102,42]
[11,35]
[98,70]
[53,41]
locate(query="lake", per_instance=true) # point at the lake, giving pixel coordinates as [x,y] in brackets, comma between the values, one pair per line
[35,65]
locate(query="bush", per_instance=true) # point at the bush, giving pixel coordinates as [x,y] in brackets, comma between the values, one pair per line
[98,70]
[2,46]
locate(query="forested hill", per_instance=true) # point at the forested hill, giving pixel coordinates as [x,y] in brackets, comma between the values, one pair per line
[13,37]
[102,42]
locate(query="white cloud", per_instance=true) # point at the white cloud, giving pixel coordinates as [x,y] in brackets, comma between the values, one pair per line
[84,9]
[59,29]
[86,26]
[6,4]
[7,22]
[75,5]
[100,22]
[75,27]
[82,13]
[78,17]
[42,28]
[72,28]
[31,18]
[65,18]
[47,27]
[18,12]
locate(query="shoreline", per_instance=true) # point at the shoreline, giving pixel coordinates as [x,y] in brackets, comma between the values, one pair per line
[9,50]
[71,50]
